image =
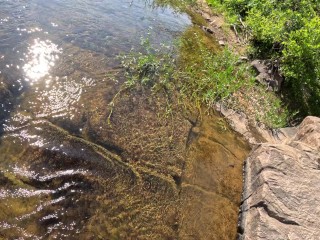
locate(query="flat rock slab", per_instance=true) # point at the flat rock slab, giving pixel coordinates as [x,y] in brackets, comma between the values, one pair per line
[281,198]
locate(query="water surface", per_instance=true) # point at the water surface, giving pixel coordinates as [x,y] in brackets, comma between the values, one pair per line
[65,172]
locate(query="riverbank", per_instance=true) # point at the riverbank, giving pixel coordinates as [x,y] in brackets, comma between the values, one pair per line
[280,176]
[262,105]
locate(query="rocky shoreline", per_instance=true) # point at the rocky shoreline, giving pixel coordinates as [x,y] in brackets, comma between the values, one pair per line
[280,197]
[281,181]
[281,175]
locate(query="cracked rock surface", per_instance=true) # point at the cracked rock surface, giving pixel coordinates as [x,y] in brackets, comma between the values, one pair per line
[281,198]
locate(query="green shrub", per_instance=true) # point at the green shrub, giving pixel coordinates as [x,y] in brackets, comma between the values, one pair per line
[301,65]
[288,31]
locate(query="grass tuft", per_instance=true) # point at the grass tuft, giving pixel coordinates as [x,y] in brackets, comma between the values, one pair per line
[202,73]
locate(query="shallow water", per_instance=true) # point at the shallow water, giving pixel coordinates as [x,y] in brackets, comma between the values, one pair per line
[44,42]
[65,173]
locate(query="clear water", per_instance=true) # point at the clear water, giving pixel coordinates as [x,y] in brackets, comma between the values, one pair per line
[65,172]
[55,58]
[39,40]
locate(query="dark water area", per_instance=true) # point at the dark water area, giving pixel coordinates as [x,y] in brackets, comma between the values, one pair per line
[65,172]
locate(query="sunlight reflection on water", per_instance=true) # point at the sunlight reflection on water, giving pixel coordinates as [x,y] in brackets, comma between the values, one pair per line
[58,57]
[59,99]
[42,55]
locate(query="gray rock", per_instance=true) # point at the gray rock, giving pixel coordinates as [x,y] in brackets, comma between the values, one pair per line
[281,198]
[259,66]
[261,70]
[254,133]
[268,73]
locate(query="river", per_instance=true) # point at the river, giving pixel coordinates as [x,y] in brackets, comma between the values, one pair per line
[65,171]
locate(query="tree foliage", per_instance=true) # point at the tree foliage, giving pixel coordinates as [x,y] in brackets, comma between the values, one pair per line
[289,31]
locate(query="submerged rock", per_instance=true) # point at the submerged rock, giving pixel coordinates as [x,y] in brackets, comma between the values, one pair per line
[211,183]
[281,197]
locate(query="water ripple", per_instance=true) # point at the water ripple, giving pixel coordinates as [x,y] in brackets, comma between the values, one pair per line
[41,58]
[60,99]
[42,178]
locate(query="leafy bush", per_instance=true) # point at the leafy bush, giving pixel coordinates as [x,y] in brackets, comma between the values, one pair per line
[301,65]
[288,31]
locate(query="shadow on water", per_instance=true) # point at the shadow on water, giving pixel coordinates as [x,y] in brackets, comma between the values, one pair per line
[65,172]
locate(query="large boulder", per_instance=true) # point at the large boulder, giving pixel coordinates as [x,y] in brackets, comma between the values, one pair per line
[281,198]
